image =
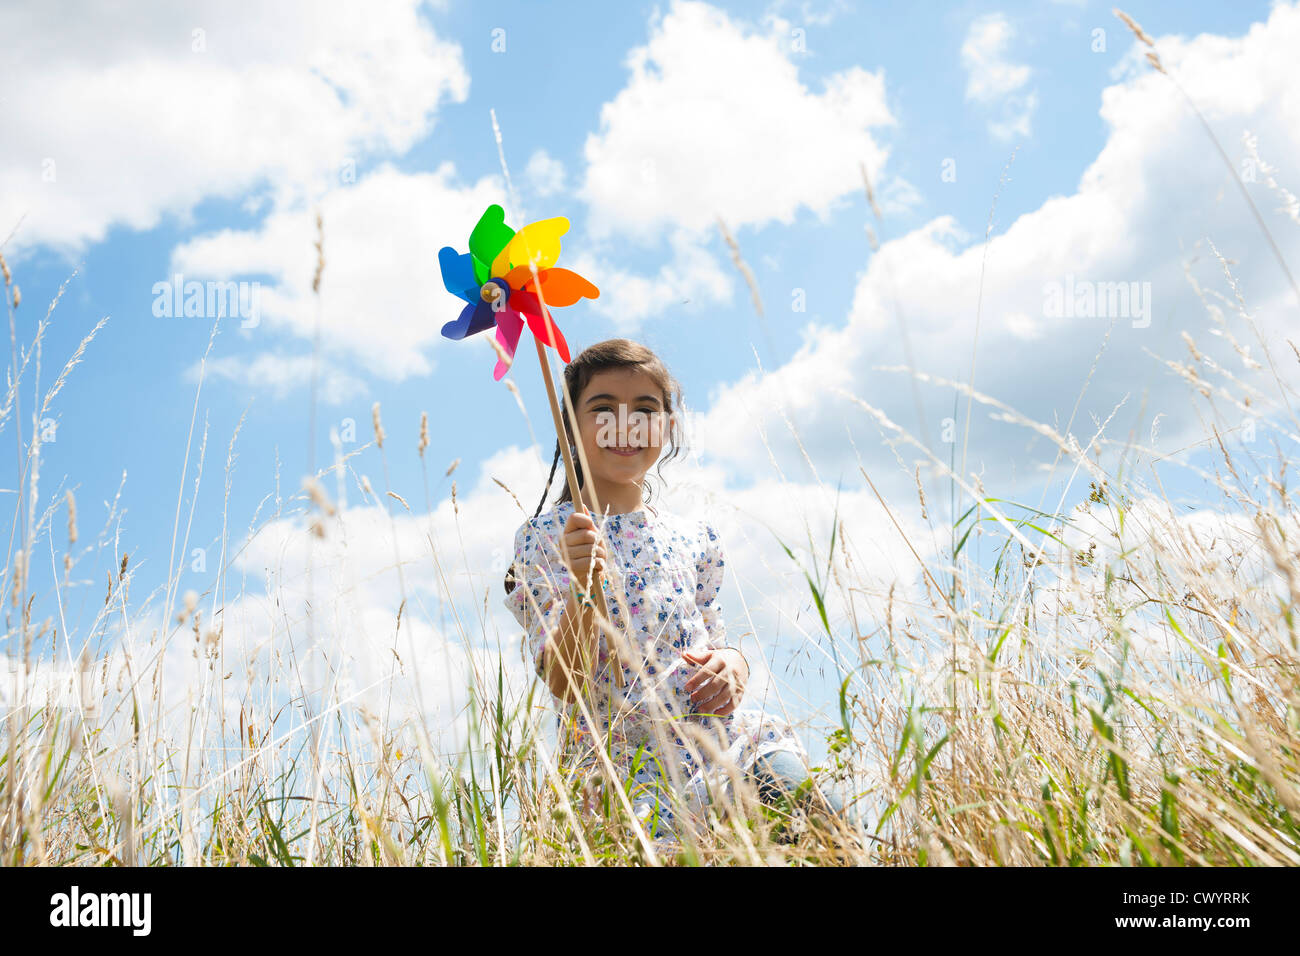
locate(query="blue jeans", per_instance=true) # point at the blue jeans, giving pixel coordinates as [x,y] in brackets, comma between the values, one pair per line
[780,773]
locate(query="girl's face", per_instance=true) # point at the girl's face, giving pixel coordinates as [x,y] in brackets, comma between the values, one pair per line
[622,421]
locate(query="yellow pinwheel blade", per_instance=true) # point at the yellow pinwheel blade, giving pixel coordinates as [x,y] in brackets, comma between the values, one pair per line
[539,241]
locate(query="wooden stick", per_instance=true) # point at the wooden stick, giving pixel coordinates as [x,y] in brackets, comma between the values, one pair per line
[572,475]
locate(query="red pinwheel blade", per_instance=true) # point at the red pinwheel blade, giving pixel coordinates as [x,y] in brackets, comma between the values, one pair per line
[542,330]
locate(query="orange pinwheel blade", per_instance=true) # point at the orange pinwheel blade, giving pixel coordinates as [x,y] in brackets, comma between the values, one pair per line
[560,287]
[518,277]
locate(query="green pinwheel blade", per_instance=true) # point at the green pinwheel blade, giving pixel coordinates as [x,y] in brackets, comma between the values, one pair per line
[488,238]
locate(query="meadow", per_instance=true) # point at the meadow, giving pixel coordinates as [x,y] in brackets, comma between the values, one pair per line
[1108,677]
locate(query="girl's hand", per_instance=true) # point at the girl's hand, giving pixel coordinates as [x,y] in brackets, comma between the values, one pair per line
[719,684]
[580,547]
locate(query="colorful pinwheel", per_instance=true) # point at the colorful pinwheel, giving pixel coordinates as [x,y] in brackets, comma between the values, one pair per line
[505,278]
[496,278]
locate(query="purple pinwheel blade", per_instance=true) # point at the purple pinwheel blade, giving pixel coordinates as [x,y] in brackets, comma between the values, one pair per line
[472,319]
[458,273]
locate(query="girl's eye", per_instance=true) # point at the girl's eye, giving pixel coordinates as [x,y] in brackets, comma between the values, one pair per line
[645,409]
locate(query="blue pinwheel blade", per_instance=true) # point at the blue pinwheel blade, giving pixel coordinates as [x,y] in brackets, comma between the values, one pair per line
[458,274]
[473,318]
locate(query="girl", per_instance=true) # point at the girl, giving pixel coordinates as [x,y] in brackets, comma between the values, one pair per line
[675,724]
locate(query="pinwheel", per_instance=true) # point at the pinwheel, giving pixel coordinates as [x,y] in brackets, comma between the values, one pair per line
[496,278]
[508,279]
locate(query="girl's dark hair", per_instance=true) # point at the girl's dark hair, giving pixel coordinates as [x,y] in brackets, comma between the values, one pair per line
[602,357]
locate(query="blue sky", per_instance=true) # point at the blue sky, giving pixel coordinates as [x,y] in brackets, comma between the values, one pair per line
[202,142]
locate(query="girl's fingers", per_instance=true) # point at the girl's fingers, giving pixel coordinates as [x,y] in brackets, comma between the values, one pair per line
[723,703]
[719,704]
[717,690]
[579,547]
[585,552]
[707,668]
[584,558]
[709,661]
[726,708]
[579,521]
[711,689]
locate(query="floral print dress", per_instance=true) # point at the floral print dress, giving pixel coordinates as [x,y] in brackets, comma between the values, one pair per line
[663,575]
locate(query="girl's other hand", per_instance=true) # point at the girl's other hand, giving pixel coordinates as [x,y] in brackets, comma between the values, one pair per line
[580,546]
[719,684]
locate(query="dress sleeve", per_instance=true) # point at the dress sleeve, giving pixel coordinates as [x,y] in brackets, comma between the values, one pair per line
[709,570]
[541,588]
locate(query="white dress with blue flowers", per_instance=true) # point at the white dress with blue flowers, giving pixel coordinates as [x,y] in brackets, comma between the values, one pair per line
[663,575]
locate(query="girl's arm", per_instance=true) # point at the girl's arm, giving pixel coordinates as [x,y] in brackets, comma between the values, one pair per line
[560,629]
[719,684]
[569,655]
[709,569]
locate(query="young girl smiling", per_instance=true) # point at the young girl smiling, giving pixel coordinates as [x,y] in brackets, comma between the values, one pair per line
[675,724]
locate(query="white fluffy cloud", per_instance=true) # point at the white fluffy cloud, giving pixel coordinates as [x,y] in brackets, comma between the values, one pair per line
[382,299]
[400,612]
[714,121]
[1150,200]
[692,275]
[993,80]
[545,173]
[456,557]
[160,107]
[1215,554]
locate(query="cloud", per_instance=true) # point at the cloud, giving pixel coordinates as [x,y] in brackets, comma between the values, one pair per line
[1215,554]
[545,173]
[1150,203]
[304,623]
[259,671]
[382,301]
[453,560]
[692,276]
[898,198]
[714,121]
[132,112]
[401,612]
[992,80]
[991,77]
[279,375]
